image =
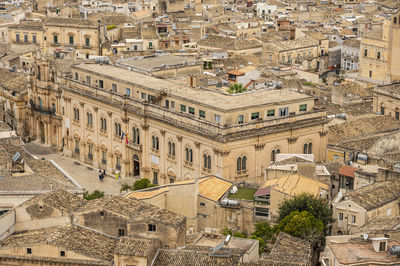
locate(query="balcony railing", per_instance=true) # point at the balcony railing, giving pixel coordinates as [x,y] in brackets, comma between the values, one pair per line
[46,111]
[186,121]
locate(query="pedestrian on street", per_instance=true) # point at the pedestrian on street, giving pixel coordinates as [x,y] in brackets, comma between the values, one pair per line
[100,174]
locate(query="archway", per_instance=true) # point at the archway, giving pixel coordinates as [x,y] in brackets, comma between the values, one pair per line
[42,136]
[136,165]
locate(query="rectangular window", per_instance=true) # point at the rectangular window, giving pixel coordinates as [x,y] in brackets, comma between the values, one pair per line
[150,98]
[77,146]
[34,39]
[378,55]
[217,118]
[101,83]
[365,52]
[152,227]
[382,110]
[382,246]
[191,110]
[283,111]
[103,157]
[255,115]
[303,107]
[121,232]
[240,119]
[202,113]
[127,91]
[87,41]
[62,253]
[118,163]
[17,37]
[340,216]
[55,39]
[271,113]
[353,219]
[25,37]
[167,104]
[172,104]
[71,40]
[114,87]
[155,177]
[28,251]
[183,108]
[150,45]
[143,95]
[90,152]
[397,115]
[202,204]
[88,81]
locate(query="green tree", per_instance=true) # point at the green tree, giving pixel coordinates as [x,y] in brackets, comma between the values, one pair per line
[318,207]
[303,225]
[94,195]
[125,187]
[236,88]
[142,183]
[264,233]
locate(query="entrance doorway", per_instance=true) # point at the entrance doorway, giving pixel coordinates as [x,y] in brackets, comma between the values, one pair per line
[136,165]
[42,138]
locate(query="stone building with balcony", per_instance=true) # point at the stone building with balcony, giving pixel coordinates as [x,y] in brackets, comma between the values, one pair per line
[72,38]
[27,32]
[166,131]
[13,98]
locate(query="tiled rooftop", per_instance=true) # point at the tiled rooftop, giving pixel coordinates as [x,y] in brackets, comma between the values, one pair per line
[228,43]
[376,195]
[60,199]
[134,209]
[193,258]
[44,175]
[89,243]
[134,246]
[364,126]
[295,184]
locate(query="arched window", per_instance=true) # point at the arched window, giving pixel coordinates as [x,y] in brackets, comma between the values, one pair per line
[89,119]
[117,129]
[274,153]
[54,108]
[207,161]
[189,155]
[307,148]
[155,143]
[241,163]
[76,114]
[171,148]
[103,124]
[135,135]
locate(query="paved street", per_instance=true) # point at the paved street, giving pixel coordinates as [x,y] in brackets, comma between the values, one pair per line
[84,175]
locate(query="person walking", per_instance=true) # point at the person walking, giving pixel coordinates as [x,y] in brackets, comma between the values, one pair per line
[100,175]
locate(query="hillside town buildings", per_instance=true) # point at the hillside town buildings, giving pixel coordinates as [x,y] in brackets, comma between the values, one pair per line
[193,119]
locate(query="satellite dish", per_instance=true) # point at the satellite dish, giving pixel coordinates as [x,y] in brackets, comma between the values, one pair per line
[365,236]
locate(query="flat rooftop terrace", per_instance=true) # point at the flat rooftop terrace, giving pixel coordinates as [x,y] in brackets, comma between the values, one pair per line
[201,96]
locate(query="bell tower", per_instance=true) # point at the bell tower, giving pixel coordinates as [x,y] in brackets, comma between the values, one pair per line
[394,48]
